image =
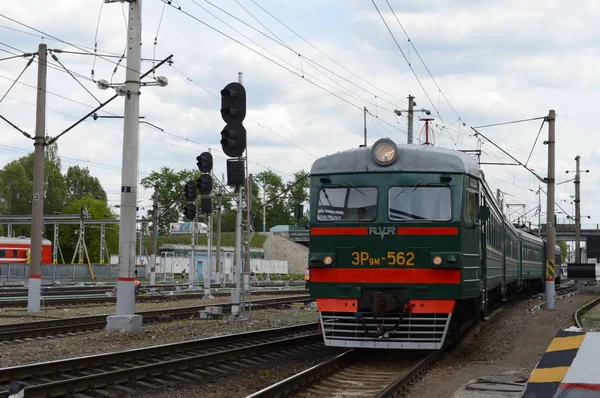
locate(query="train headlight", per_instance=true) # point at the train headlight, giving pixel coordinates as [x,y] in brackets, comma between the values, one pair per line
[437,260]
[327,260]
[384,152]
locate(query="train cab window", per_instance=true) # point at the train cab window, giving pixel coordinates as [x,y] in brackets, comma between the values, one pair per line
[347,204]
[420,203]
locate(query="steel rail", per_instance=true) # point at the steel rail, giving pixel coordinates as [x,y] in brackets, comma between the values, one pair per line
[18,331]
[406,372]
[56,302]
[134,367]
[577,316]
[4,291]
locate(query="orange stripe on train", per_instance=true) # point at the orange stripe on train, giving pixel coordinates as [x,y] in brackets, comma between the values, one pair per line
[385,275]
[416,306]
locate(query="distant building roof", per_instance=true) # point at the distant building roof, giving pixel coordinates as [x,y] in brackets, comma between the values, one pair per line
[280,228]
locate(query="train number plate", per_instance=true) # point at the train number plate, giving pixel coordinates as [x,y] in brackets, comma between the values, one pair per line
[393,258]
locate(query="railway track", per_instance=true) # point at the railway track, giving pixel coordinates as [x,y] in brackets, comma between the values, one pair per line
[67,290]
[94,300]
[354,373]
[69,326]
[176,362]
[362,373]
[578,315]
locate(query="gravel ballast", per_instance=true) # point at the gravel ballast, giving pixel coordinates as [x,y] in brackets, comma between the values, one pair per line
[18,315]
[513,340]
[40,350]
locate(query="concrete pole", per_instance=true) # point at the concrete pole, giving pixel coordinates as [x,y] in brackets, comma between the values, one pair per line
[218,269]
[577,222]
[550,228]
[37,202]
[125,318]
[154,237]
[365,124]
[411,104]
[236,294]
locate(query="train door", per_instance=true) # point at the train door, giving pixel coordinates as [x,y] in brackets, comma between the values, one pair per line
[484,238]
[471,245]
[520,264]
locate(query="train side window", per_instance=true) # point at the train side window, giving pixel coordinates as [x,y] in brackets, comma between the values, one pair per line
[472,206]
[15,254]
[2,253]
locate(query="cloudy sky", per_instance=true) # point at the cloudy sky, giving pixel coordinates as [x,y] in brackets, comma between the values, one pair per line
[309,68]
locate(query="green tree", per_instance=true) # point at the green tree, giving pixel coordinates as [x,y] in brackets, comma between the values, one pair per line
[277,207]
[564,250]
[55,187]
[170,194]
[80,183]
[69,234]
[298,194]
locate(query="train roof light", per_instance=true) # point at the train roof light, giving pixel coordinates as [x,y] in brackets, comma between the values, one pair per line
[384,152]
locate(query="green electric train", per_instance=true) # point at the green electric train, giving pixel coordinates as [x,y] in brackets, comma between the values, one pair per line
[407,243]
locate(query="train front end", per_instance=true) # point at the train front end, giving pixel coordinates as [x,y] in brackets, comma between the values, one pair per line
[385,247]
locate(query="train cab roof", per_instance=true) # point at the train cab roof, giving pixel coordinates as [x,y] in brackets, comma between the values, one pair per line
[408,158]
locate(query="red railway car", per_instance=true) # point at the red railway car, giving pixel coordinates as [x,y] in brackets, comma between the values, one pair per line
[16,250]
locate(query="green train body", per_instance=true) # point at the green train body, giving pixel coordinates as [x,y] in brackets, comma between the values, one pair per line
[402,253]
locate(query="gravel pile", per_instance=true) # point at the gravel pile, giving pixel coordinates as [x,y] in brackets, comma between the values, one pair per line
[41,350]
[513,340]
[280,248]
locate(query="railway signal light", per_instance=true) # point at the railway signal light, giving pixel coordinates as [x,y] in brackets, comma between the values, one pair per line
[205,162]
[233,140]
[233,112]
[205,184]
[189,191]
[189,212]
[206,205]
[233,103]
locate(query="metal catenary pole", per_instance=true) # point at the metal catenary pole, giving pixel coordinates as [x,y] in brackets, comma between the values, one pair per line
[154,237]
[37,203]
[550,227]
[577,222]
[410,118]
[248,239]
[236,293]
[209,256]
[125,318]
[218,269]
[264,221]
[365,125]
[194,264]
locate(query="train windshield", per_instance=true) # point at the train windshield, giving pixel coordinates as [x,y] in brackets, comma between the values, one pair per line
[420,203]
[347,204]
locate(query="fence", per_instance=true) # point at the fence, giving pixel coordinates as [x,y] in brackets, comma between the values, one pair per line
[60,272]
